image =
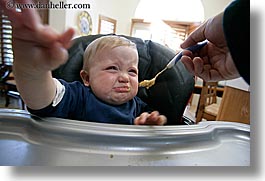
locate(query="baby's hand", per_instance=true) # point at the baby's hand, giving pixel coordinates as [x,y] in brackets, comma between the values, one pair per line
[153,118]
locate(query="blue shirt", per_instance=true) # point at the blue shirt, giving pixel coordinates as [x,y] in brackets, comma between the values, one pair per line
[80,103]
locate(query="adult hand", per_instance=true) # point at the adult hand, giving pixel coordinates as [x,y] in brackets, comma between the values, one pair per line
[214,61]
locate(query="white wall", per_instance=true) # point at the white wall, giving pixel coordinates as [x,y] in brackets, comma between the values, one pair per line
[121,10]
[214,7]
[57,18]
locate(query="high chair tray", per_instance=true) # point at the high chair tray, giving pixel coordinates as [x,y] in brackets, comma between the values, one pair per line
[29,140]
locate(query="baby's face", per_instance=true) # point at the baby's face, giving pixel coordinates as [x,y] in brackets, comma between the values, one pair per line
[113,74]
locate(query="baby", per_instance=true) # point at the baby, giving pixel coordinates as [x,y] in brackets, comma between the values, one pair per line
[110,77]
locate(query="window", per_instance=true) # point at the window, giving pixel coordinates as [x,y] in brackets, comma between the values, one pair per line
[167,22]
[106,25]
[166,32]
[6,52]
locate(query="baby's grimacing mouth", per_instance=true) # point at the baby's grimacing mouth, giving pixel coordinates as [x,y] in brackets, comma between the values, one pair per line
[122,89]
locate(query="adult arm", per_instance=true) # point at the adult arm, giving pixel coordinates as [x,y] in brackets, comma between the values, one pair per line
[236,24]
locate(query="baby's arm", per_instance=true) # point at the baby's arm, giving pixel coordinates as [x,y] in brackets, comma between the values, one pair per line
[153,118]
[38,49]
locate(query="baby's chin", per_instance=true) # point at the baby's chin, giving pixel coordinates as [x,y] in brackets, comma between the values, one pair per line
[118,102]
[121,99]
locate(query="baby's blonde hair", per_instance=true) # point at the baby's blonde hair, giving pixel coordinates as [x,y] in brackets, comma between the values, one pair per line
[110,41]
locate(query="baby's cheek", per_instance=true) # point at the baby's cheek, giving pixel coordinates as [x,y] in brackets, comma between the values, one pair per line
[134,88]
[134,83]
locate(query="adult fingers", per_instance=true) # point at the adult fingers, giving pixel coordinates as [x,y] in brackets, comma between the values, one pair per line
[198,65]
[188,63]
[195,37]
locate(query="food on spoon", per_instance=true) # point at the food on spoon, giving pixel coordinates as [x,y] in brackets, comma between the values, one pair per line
[147,83]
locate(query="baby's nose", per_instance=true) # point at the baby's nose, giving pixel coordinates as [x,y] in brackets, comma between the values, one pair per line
[123,77]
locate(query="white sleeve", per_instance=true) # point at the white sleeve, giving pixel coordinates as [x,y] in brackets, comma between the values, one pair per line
[60,90]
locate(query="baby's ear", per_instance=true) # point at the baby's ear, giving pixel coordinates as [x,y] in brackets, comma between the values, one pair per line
[85,77]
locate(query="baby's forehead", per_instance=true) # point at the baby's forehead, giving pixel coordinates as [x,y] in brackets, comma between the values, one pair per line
[121,51]
[120,48]
[113,41]
[108,44]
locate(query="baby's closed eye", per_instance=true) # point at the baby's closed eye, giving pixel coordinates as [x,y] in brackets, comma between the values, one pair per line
[133,72]
[112,69]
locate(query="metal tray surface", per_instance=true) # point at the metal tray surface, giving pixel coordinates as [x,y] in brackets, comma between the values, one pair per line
[29,140]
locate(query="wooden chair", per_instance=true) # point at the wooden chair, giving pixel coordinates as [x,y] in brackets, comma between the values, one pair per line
[208,107]
[235,106]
